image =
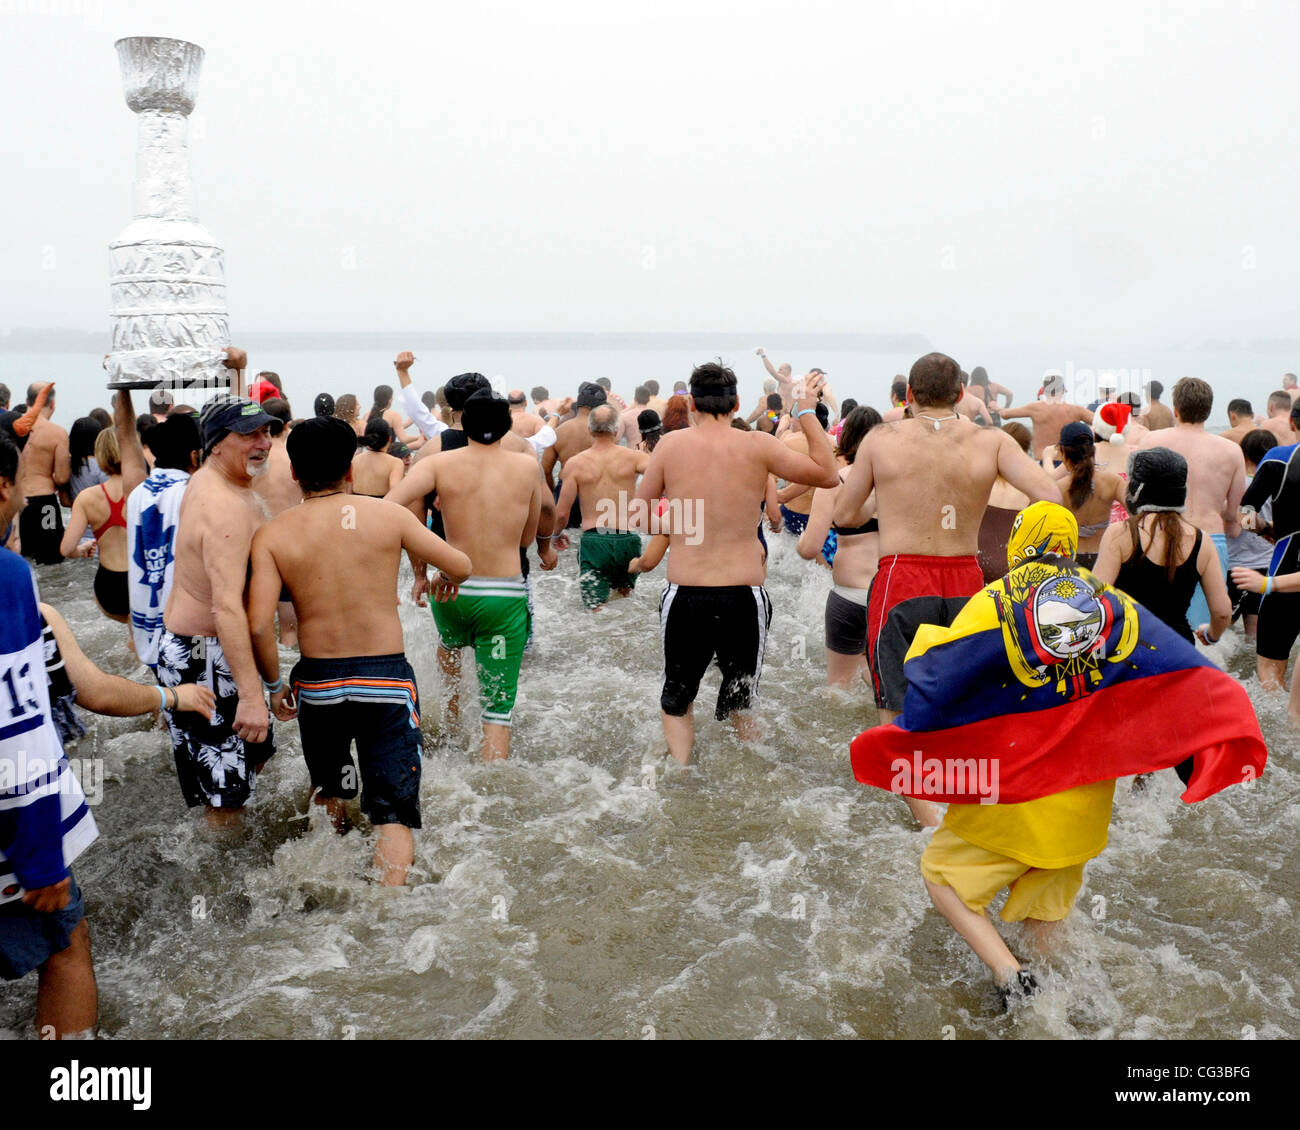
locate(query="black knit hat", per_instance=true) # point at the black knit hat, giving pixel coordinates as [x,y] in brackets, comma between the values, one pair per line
[1157,481]
[647,420]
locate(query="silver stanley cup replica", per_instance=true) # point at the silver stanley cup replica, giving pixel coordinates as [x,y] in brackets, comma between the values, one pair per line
[170,325]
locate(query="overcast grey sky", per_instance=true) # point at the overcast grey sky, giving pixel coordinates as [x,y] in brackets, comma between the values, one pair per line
[1110,174]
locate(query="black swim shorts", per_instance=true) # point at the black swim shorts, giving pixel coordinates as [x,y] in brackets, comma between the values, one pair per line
[700,623]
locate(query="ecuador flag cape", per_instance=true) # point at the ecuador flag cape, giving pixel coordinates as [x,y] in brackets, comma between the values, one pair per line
[1048,680]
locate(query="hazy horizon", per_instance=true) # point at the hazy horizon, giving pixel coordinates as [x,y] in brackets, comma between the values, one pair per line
[984,177]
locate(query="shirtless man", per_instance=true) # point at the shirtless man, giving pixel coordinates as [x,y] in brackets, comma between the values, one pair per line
[1292,385]
[897,400]
[543,405]
[46,466]
[205,637]
[522,422]
[1279,416]
[1157,416]
[932,475]
[571,437]
[490,613]
[657,402]
[628,433]
[1216,473]
[603,479]
[279,490]
[353,682]
[783,376]
[1241,418]
[1049,415]
[714,477]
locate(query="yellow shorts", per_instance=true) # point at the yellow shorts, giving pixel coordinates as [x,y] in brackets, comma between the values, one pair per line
[977,874]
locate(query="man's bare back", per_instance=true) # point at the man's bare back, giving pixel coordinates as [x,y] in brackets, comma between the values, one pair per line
[932,486]
[603,476]
[715,478]
[46,461]
[1216,475]
[473,481]
[345,543]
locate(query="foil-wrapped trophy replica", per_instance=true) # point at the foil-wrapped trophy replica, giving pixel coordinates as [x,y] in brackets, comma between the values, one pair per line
[170,325]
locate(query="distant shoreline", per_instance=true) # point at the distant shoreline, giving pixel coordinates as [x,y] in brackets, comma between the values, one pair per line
[66,341]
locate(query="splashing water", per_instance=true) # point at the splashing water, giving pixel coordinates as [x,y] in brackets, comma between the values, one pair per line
[587,888]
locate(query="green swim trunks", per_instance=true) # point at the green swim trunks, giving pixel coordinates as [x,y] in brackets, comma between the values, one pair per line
[603,557]
[490,615]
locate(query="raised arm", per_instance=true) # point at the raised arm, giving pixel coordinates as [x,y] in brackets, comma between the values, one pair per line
[817,468]
[135,467]
[1023,473]
[428,424]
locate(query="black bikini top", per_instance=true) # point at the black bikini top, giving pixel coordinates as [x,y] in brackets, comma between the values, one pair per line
[871,527]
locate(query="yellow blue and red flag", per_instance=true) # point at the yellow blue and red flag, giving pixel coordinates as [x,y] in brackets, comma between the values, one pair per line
[1048,680]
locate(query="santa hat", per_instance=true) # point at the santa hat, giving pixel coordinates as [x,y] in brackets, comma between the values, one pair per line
[1110,420]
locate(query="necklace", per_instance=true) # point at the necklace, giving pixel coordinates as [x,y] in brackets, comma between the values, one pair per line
[326,495]
[938,419]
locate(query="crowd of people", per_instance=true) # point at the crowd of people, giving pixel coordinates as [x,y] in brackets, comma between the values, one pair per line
[223,536]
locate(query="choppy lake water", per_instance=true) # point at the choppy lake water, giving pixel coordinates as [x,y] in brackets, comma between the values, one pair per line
[583,889]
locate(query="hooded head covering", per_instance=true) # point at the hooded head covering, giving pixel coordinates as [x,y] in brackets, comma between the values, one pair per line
[1040,529]
[1157,481]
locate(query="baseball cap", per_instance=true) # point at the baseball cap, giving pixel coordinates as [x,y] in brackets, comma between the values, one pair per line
[228,414]
[1075,432]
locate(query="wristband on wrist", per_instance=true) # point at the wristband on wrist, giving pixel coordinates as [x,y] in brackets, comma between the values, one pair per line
[176,698]
[545,537]
[273,688]
[162,699]
[804,412]
[1269,586]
